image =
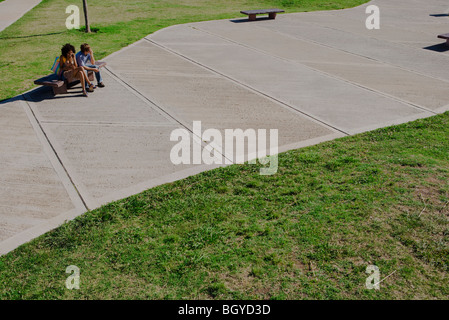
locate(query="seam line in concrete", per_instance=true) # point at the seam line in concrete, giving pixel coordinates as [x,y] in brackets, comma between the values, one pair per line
[390,25]
[357,54]
[124,83]
[12,183]
[39,130]
[165,112]
[400,43]
[327,125]
[332,76]
[141,95]
[110,124]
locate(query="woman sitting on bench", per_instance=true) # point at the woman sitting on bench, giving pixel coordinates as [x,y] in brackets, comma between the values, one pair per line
[70,69]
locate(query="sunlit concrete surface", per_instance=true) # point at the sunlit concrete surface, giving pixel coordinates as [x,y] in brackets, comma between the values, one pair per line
[12,10]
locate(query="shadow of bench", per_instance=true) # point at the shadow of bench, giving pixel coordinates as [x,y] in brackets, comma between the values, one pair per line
[445,36]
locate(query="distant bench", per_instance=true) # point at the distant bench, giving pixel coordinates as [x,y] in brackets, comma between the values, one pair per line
[445,36]
[253,13]
[61,86]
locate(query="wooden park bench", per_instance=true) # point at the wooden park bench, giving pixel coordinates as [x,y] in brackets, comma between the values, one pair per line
[253,13]
[61,86]
[445,36]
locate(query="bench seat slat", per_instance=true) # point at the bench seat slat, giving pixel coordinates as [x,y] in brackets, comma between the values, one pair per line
[50,80]
[262,11]
[54,83]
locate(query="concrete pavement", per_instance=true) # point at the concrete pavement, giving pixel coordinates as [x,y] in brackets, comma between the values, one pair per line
[13,10]
[313,76]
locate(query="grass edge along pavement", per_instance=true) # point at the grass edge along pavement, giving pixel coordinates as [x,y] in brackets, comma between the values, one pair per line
[309,232]
[29,46]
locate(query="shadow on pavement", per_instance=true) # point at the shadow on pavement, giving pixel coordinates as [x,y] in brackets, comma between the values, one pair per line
[247,20]
[441,47]
[45,93]
[17,98]
[439,15]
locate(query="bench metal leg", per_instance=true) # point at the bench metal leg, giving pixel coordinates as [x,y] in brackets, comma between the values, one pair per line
[272,15]
[252,17]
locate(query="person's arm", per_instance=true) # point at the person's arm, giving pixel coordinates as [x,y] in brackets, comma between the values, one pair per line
[92,59]
[90,69]
[78,60]
[74,60]
[61,65]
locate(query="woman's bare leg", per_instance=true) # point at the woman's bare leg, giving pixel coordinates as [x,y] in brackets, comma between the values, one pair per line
[83,85]
[80,75]
[86,78]
[83,78]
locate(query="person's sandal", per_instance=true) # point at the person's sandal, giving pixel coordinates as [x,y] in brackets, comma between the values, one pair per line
[101,85]
[91,88]
[85,94]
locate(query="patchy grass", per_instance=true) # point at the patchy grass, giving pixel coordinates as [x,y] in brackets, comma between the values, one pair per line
[29,46]
[308,232]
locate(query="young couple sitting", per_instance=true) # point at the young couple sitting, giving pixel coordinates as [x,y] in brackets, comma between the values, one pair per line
[76,66]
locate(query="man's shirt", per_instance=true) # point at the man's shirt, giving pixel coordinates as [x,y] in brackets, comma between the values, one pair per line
[83,59]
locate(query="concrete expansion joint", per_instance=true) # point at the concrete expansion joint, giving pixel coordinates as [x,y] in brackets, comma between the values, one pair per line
[110,124]
[291,108]
[148,101]
[412,105]
[158,105]
[361,55]
[49,148]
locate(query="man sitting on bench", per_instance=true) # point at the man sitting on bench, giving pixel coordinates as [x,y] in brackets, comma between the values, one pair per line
[85,59]
[70,70]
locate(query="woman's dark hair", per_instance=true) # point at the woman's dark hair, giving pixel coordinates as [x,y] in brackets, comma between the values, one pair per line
[66,48]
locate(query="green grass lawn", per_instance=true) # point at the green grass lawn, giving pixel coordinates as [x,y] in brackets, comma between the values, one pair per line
[308,232]
[29,47]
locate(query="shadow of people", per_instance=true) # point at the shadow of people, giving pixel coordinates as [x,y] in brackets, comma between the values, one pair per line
[9,100]
[44,93]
